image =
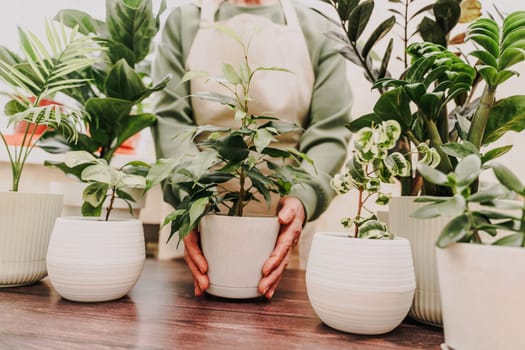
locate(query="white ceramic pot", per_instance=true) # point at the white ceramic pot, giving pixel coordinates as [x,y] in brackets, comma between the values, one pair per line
[422,234]
[361,286]
[236,249]
[72,192]
[26,222]
[91,260]
[482,293]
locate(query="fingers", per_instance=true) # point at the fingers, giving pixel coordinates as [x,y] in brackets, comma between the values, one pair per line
[196,262]
[287,240]
[269,284]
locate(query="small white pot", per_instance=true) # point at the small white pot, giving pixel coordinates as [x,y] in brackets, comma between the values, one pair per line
[361,286]
[91,260]
[482,293]
[236,249]
[72,192]
[26,222]
[422,235]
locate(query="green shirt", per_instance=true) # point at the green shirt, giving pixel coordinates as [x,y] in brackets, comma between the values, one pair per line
[325,137]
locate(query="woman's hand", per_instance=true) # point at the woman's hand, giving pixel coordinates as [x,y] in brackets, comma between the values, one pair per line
[196,262]
[291,217]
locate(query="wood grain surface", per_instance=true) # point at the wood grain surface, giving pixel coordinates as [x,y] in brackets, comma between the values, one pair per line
[162,313]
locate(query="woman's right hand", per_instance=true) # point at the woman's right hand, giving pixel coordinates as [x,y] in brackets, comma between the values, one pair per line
[196,262]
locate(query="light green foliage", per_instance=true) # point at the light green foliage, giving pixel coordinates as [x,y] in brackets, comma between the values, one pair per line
[43,71]
[105,181]
[374,162]
[246,156]
[491,211]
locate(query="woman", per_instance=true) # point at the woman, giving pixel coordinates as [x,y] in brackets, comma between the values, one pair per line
[282,33]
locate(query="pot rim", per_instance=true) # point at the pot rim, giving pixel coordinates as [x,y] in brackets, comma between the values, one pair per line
[96,219]
[343,235]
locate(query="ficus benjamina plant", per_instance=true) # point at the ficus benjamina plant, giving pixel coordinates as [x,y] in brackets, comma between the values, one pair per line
[373,163]
[235,166]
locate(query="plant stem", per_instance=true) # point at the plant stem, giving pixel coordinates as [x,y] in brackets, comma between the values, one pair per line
[481,118]
[405,35]
[435,139]
[360,203]
[111,202]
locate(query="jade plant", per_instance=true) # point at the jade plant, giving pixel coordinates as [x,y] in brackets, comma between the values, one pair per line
[106,182]
[245,157]
[433,99]
[476,217]
[374,163]
[43,71]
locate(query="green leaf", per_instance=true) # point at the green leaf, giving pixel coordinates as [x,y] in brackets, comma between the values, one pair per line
[123,82]
[215,97]
[495,153]
[386,59]
[454,231]
[133,24]
[506,115]
[489,74]
[450,207]
[431,174]
[459,150]
[230,74]
[232,148]
[382,29]
[262,139]
[447,13]
[510,57]
[486,42]
[132,125]
[160,171]
[95,194]
[394,104]
[89,210]
[358,19]
[366,120]
[507,178]
[100,173]
[173,216]
[124,195]
[197,209]
[86,23]
[468,170]
[487,195]
[514,240]
[486,58]
[431,32]
[76,158]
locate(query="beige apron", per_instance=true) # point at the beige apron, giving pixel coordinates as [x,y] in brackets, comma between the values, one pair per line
[286,95]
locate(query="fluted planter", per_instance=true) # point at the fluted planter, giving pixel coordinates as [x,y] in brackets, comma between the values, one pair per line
[72,192]
[360,286]
[482,293]
[90,260]
[236,249]
[422,235]
[26,222]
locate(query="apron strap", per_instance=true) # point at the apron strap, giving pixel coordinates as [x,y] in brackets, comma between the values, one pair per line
[208,10]
[290,14]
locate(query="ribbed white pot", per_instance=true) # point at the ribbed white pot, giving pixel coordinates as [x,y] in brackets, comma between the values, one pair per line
[236,249]
[422,235]
[360,286]
[72,192]
[91,260]
[26,221]
[482,290]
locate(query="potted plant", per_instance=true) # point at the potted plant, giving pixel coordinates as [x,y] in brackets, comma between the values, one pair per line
[27,218]
[237,168]
[364,282]
[94,259]
[479,255]
[114,99]
[421,100]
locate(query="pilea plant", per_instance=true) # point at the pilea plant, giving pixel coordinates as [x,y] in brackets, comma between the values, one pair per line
[106,182]
[476,216]
[244,156]
[372,164]
[421,99]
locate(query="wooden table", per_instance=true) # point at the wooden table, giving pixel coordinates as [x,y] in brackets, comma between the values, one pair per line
[162,313]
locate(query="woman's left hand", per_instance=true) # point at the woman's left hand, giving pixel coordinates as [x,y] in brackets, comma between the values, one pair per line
[291,217]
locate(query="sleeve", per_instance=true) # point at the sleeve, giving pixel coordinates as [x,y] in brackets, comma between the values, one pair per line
[326,137]
[171,105]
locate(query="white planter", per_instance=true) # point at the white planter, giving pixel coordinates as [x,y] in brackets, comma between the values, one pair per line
[91,260]
[26,221]
[360,286]
[482,293]
[72,192]
[422,235]
[236,249]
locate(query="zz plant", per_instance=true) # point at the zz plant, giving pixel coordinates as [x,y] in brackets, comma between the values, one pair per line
[433,102]
[476,217]
[372,164]
[43,71]
[244,157]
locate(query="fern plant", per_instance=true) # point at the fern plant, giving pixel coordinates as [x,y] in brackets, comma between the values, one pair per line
[43,71]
